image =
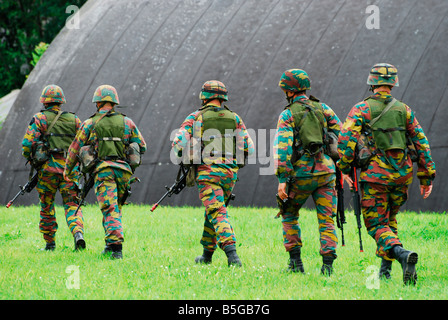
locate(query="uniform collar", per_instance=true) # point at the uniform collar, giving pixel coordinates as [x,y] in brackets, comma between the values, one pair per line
[53,108]
[382,96]
[301,97]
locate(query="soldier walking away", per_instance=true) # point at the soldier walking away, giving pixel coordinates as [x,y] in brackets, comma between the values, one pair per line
[222,140]
[45,146]
[109,133]
[304,149]
[383,137]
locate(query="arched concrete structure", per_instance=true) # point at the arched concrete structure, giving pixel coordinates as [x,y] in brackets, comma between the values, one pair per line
[158,53]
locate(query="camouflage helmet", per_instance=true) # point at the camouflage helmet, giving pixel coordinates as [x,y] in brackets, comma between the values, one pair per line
[106,93]
[383,74]
[52,94]
[213,89]
[295,80]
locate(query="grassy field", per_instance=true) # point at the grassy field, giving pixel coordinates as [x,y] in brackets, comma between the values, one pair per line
[160,248]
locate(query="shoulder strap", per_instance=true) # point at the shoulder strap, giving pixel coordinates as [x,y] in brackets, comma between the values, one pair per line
[389,105]
[53,123]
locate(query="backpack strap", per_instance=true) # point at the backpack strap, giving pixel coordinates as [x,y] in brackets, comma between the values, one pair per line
[389,105]
[53,123]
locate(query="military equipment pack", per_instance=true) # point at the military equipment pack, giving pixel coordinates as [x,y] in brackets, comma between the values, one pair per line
[386,131]
[311,134]
[57,138]
[109,128]
[218,139]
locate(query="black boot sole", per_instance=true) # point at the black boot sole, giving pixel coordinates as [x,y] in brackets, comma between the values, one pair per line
[80,244]
[409,273]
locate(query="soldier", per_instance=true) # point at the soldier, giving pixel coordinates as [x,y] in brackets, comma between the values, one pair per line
[216,167]
[390,131]
[305,167]
[45,145]
[109,133]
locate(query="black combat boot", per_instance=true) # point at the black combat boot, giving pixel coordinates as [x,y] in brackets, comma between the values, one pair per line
[114,250]
[50,246]
[80,243]
[295,262]
[232,257]
[408,260]
[385,269]
[327,265]
[206,257]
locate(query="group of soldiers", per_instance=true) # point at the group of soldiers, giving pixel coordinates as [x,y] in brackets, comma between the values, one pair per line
[311,144]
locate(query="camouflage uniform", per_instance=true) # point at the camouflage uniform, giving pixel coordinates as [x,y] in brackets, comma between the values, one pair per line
[51,172]
[111,176]
[318,183]
[384,183]
[215,181]
[310,175]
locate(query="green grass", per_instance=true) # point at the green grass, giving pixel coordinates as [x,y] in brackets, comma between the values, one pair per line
[160,248]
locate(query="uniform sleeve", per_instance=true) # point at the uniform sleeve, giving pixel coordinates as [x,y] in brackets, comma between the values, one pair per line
[426,171]
[284,139]
[32,136]
[244,141]
[349,136]
[80,140]
[134,135]
[186,131]
[333,122]
[78,123]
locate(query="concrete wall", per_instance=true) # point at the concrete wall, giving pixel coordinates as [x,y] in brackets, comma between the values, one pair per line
[158,53]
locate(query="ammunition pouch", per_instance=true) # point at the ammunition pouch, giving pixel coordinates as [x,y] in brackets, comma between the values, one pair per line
[133,156]
[87,158]
[41,154]
[331,146]
[364,151]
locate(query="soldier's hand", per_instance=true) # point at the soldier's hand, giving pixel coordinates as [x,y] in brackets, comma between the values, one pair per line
[282,191]
[425,191]
[347,179]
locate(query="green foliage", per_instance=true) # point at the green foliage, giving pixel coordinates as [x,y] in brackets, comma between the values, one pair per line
[160,248]
[38,52]
[23,25]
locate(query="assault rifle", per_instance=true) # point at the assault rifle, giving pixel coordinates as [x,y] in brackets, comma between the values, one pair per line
[85,190]
[356,203]
[283,204]
[340,213]
[28,187]
[179,184]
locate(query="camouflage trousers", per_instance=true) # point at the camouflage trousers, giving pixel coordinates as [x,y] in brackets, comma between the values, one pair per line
[215,186]
[322,190]
[110,187]
[380,204]
[47,186]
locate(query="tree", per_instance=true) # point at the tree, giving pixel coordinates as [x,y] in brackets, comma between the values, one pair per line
[23,25]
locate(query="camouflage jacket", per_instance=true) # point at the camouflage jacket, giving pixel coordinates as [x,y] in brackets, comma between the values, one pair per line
[379,169]
[86,136]
[192,127]
[34,133]
[306,166]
